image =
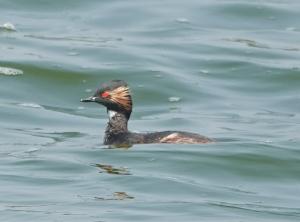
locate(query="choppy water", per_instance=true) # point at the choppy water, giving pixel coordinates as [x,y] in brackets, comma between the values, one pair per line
[227,69]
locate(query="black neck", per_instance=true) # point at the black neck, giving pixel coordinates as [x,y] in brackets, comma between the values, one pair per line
[117,124]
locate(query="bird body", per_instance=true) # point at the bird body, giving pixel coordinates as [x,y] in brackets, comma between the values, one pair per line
[115,96]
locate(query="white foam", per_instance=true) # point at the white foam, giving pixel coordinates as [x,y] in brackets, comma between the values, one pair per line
[174,99]
[8,26]
[32,150]
[31,105]
[291,29]
[204,71]
[10,71]
[182,20]
[73,53]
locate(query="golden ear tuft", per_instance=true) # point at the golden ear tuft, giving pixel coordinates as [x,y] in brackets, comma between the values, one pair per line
[121,95]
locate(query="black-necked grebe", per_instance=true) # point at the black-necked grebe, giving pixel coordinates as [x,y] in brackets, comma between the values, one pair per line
[115,96]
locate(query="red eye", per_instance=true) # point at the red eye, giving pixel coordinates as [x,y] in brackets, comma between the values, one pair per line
[105,94]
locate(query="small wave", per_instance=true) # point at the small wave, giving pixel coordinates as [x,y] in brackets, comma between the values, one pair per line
[255,44]
[87,39]
[31,105]
[292,29]
[204,71]
[112,170]
[248,42]
[73,54]
[8,27]
[10,71]
[174,99]
[182,20]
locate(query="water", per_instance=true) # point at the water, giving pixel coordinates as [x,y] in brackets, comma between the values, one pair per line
[226,69]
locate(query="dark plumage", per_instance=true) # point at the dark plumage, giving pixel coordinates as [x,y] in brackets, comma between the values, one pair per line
[115,96]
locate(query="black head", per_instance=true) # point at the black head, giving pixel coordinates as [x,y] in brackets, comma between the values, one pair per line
[114,95]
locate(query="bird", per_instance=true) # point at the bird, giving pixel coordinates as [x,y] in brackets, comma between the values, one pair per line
[115,95]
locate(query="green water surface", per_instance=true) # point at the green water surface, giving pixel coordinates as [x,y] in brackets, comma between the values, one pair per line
[227,69]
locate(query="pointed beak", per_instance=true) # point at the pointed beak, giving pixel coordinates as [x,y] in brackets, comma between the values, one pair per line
[93,99]
[89,99]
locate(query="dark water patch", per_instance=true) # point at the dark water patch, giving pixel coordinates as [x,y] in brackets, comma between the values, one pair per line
[276,114]
[255,44]
[117,196]
[55,136]
[112,170]
[258,208]
[250,43]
